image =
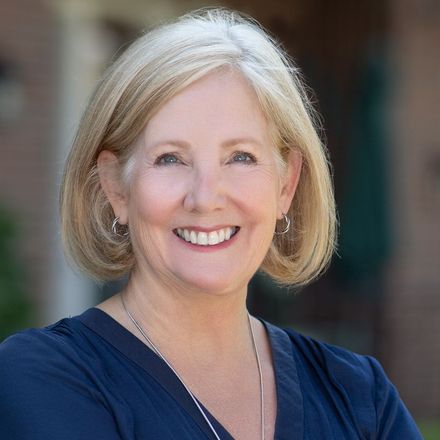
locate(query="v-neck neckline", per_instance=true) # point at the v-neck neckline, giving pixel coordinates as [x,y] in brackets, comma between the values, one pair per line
[289,418]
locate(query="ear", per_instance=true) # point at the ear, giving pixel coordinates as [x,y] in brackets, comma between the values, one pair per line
[289,182]
[109,171]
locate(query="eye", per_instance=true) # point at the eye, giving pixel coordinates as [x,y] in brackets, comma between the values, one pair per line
[243,157]
[168,159]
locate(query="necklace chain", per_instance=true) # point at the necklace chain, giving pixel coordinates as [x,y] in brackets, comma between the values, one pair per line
[196,402]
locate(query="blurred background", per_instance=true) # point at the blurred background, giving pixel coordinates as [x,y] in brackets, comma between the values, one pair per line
[374,68]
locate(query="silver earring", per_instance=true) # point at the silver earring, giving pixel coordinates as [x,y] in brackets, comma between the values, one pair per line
[115,230]
[286,228]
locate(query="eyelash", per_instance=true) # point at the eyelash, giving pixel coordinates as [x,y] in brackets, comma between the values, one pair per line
[252,158]
[160,161]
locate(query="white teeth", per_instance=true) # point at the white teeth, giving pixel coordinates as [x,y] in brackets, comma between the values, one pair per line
[206,239]
[202,238]
[193,237]
[213,238]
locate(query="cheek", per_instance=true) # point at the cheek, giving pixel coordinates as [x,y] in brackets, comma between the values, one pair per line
[152,205]
[155,194]
[258,188]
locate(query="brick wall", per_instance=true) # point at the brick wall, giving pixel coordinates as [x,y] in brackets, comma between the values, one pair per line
[27,48]
[411,342]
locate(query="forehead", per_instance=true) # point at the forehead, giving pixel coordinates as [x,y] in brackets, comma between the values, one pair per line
[219,106]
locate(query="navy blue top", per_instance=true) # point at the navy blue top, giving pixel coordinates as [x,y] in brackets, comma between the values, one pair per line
[87,377]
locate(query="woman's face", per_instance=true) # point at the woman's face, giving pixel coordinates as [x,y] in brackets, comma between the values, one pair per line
[206,189]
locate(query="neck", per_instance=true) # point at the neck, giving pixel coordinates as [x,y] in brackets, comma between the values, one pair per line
[212,336]
[209,326]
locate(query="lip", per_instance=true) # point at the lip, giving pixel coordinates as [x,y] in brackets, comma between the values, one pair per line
[205,229]
[210,248]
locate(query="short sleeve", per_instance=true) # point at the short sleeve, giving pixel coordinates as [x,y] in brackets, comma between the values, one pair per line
[46,395]
[393,420]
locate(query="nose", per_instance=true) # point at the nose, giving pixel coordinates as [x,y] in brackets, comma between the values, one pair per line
[206,192]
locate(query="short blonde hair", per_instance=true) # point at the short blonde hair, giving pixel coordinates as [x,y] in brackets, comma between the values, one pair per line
[153,69]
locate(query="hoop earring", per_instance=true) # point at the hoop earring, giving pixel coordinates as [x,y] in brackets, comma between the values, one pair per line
[115,230]
[286,228]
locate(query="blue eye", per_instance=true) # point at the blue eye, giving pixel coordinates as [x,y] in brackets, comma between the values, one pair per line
[244,157]
[167,159]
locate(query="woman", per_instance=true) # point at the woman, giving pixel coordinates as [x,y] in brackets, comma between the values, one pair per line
[196,164]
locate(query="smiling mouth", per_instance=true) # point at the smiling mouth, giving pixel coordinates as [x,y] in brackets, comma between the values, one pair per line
[206,238]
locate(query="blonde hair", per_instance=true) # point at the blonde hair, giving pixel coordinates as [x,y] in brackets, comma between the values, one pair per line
[152,70]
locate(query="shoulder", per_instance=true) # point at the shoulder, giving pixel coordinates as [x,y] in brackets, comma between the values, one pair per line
[340,364]
[50,363]
[32,347]
[33,356]
[48,381]
[66,351]
[30,344]
[358,382]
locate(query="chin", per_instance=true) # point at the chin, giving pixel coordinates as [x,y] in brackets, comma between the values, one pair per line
[217,286]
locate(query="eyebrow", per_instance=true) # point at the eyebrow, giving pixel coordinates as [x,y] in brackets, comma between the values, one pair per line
[226,144]
[243,140]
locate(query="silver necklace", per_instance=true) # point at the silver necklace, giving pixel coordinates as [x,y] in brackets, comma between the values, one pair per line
[196,402]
